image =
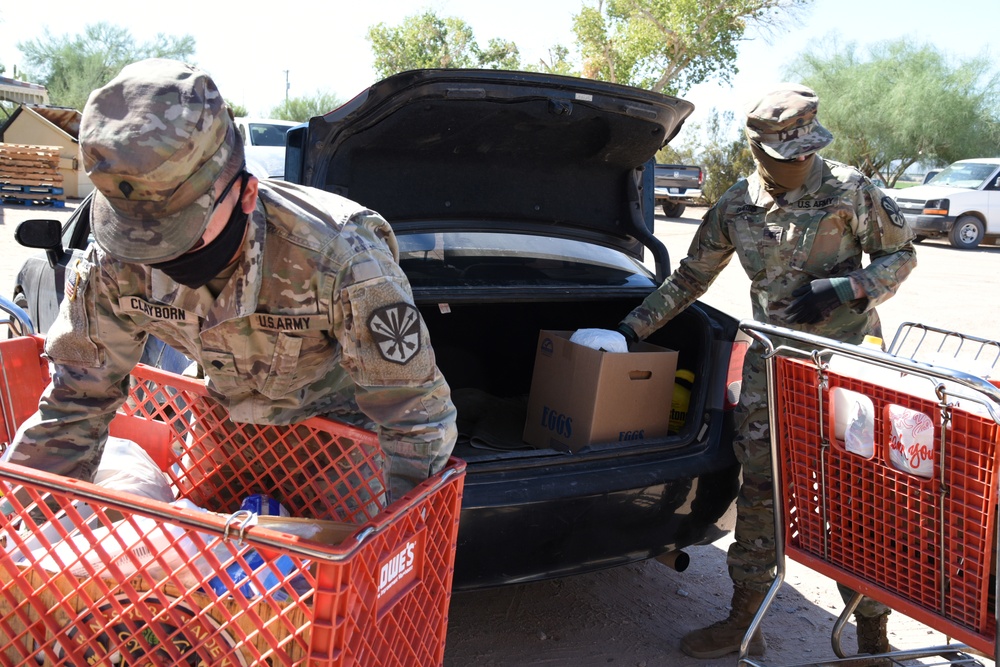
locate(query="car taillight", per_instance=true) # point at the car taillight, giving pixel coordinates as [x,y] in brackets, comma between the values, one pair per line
[734,377]
[701,177]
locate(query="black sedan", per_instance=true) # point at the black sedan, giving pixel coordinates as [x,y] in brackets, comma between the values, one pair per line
[524,202]
[520,202]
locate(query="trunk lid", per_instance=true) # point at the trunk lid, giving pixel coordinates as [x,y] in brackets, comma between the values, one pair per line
[490,150]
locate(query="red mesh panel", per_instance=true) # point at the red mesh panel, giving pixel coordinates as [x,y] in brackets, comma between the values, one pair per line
[882,531]
[94,576]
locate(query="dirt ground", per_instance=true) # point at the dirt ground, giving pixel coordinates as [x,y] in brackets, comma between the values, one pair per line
[635,615]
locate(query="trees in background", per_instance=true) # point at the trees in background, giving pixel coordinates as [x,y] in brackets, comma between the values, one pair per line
[669,46]
[662,45]
[718,146]
[71,67]
[301,109]
[429,41]
[898,103]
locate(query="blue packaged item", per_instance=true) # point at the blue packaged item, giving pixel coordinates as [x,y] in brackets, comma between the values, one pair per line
[266,576]
[263,504]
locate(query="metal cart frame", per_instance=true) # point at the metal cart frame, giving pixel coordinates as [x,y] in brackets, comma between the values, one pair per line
[912,344]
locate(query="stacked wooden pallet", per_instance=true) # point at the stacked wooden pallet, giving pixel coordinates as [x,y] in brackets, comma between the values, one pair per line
[29,176]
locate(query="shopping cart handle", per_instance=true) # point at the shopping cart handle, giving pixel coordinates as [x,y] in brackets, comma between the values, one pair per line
[15,317]
[812,346]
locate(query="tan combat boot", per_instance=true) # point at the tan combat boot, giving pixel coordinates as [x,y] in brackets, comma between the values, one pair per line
[872,638]
[725,636]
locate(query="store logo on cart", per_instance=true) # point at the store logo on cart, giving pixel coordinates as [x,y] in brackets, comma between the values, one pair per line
[109,637]
[400,571]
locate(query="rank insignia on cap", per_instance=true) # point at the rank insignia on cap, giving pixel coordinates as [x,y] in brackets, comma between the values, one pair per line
[396,331]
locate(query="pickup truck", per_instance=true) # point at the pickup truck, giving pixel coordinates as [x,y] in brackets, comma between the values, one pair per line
[962,203]
[676,186]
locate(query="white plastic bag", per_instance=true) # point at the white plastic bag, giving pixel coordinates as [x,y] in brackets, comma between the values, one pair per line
[125,466]
[124,544]
[854,421]
[600,339]
[911,441]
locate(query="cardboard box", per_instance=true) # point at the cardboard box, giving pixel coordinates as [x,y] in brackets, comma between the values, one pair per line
[581,396]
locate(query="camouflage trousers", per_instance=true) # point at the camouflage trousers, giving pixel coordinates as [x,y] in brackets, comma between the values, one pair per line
[751,557]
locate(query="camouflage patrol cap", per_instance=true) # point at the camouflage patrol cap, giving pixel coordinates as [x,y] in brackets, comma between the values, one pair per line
[154,140]
[784,122]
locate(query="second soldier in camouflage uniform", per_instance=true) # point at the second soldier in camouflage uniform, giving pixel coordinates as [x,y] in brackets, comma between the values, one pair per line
[799,225]
[289,298]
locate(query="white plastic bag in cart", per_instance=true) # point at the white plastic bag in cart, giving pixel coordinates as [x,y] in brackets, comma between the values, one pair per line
[158,548]
[125,467]
[911,441]
[854,421]
[123,544]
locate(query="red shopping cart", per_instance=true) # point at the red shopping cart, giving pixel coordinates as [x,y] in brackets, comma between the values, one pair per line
[922,540]
[95,576]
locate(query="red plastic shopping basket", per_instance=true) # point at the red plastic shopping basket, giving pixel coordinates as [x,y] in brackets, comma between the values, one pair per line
[94,576]
[923,546]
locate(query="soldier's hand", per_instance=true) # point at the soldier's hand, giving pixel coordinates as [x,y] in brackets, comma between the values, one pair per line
[815,301]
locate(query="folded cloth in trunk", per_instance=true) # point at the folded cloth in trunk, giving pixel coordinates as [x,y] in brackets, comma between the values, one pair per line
[489,422]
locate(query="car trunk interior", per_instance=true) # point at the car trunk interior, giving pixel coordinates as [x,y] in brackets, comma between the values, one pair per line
[487,351]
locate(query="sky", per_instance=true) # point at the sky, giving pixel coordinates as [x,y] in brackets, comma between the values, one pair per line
[253,50]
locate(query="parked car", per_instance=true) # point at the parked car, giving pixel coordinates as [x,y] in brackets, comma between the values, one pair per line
[676,186]
[962,203]
[38,287]
[264,144]
[521,202]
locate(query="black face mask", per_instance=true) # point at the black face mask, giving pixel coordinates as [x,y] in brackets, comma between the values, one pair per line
[196,268]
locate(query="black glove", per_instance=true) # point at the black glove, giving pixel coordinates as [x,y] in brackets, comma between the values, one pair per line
[816,300]
[630,337]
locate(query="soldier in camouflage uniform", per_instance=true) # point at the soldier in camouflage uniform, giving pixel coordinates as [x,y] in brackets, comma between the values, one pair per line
[290,298]
[799,225]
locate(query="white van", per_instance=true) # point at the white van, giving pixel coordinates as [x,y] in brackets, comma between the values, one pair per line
[264,143]
[961,204]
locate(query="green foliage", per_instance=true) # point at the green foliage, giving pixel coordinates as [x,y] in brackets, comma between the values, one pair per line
[558,63]
[429,41]
[670,45]
[678,153]
[237,109]
[720,149]
[301,109]
[71,67]
[901,103]
[726,157]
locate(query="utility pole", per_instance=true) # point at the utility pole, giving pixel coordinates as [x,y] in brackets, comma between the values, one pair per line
[287,85]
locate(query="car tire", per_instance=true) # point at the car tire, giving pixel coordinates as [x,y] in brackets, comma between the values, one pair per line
[967,232]
[673,209]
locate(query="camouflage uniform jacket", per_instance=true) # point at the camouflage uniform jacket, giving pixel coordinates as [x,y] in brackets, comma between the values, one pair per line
[817,231]
[317,319]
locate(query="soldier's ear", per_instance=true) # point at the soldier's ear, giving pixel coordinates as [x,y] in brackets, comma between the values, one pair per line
[249,199]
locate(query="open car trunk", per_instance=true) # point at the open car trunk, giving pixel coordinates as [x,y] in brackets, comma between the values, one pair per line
[490,372]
